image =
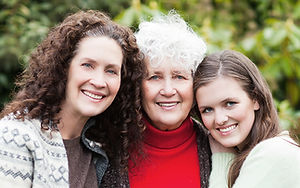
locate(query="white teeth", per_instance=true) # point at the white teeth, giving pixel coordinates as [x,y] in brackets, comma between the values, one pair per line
[167,104]
[228,128]
[92,95]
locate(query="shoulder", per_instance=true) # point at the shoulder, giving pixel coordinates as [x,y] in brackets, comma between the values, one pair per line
[279,152]
[10,123]
[279,146]
[37,156]
[28,132]
[268,162]
[18,133]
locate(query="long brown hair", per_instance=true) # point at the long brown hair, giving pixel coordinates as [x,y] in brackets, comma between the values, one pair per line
[42,85]
[236,65]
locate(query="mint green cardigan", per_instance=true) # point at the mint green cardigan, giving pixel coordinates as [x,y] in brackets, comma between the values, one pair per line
[273,163]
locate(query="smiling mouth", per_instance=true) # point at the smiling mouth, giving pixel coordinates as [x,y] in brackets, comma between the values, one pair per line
[93,96]
[167,104]
[227,129]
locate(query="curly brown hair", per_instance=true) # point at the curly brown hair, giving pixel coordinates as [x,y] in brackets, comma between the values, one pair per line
[43,83]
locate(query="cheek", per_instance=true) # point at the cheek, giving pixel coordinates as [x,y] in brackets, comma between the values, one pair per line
[147,100]
[244,113]
[115,84]
[249,119]
[144,90]
[208,122]
[148,92]
[186,91]
[189,92]
[246,118]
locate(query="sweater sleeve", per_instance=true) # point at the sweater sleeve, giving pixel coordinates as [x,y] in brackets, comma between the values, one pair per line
[273,163]
[16,161]
[30,156]
[220,166]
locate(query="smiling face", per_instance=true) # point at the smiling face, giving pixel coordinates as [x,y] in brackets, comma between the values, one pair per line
[226,110]
[167,94]
[94,77]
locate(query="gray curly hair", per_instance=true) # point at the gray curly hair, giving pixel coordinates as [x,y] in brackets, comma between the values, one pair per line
[169,36]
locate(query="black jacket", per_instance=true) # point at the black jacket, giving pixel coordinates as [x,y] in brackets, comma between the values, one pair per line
[100,158]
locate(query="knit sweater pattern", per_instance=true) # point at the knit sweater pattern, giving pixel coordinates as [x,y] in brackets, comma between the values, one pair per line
[30,156]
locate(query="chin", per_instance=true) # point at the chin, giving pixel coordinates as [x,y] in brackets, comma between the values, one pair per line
[91,113]
[228,144]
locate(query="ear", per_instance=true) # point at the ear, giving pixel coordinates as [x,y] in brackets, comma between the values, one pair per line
[256,105]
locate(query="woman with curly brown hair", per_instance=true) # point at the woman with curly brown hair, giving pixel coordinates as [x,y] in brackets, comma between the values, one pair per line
[75,103]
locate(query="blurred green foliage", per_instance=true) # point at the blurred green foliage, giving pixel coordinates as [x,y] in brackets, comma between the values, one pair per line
[267,31]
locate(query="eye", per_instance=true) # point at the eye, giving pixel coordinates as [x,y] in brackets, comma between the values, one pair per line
[154,77]
[87,65]
[180,77]
[230,103]
[111,71]
[206,110]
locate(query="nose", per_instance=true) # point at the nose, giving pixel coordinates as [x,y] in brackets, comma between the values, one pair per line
[168,88]
[221,117]
[98,80]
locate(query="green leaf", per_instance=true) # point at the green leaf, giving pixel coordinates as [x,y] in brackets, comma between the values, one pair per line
[274,37]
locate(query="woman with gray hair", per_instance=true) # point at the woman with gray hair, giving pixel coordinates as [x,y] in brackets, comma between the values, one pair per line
[175,148]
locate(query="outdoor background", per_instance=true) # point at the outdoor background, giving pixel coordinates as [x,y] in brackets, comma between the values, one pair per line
[267,31]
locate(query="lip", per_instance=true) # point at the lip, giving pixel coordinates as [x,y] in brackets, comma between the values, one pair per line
[95,96]
[227,129]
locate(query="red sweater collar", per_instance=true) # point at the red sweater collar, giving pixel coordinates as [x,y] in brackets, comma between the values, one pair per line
[168,139]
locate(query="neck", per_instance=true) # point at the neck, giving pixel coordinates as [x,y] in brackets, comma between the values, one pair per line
[70,125]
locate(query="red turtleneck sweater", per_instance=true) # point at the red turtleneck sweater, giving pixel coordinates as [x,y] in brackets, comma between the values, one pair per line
[171,159]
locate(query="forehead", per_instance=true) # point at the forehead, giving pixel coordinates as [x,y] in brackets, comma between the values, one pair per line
[88,43]
[98,48]
[166,65]
[220,89]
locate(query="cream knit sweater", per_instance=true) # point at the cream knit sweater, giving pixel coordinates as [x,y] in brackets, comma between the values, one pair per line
[30,157]
[273,163]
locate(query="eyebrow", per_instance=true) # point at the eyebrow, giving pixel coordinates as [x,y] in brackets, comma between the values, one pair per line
[222,101]
[228,99]
[203,107]
[173,72]
[153,72]
[109,65]
[87,59]
[185,73]
[113,66]
[179,72]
